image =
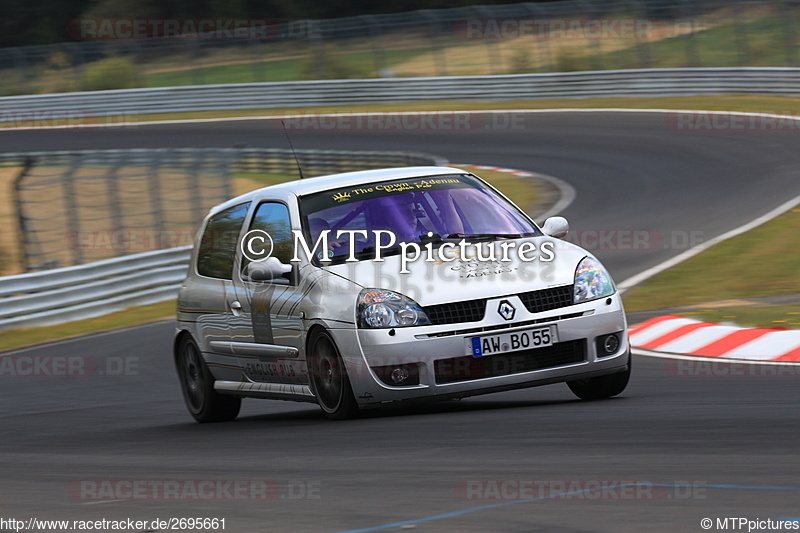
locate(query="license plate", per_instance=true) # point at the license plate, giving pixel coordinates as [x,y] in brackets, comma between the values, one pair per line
[513,342]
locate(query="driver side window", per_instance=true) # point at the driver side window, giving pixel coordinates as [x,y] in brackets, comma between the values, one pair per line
[273,218]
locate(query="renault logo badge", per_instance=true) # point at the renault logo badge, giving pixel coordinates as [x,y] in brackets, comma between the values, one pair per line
[506,310]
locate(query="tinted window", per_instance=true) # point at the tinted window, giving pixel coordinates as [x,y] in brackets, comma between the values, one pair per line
[273,218]
[219,242]
[448,207]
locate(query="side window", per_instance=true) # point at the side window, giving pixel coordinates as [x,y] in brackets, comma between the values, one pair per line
[218,244]
[273,218]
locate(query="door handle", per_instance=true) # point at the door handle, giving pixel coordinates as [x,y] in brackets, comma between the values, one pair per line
[236,308]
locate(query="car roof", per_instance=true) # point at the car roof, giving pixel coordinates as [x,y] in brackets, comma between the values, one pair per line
[334,181]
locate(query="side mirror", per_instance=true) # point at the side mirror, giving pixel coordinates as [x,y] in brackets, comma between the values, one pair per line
[557,227]
[270,269]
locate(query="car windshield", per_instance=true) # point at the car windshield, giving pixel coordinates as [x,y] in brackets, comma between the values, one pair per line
[431,209]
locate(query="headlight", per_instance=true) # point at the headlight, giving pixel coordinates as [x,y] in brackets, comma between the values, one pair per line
[591,281]
[379,308]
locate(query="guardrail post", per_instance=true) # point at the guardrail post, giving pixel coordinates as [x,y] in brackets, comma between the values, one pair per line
[596,55]
[154,185]
[543,51]
[135,52]
[376,43]
[193,53]
[740,32]
[114,205]
[495,57]
[643,43]
[23,66]
[434,34]
[692,54]
[789,34]
[316,44]
[258,71]
[194,188]
[22,229]
[72,221]
[12,65]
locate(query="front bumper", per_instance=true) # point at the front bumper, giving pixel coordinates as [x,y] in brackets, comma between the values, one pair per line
[440,356]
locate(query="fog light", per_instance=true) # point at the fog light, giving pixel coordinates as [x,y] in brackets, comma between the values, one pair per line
[399,375]
[607,344]
[611,344]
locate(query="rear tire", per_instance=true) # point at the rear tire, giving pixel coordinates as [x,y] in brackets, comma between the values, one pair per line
[328,378]
[601,387]
[204,403]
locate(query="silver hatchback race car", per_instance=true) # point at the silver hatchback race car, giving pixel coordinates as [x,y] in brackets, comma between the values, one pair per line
[365,289]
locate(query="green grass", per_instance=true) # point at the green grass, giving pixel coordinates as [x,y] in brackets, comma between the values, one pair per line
[278,70]
[348,65]
[720,46]
[523,194]
[776,317]
[760,262]
[130,317]
[761,39]
[760,104]
[720,273]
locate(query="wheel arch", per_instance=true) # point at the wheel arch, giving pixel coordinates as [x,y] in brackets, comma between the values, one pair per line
[316,326]
[176,342]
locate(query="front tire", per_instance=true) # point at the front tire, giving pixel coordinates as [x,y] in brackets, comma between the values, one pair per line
[329,379]
[204,403]
[601,387]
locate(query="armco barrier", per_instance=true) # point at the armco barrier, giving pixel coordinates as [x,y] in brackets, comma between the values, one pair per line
[94,289]
[83,206]
[90,290]
[636,82]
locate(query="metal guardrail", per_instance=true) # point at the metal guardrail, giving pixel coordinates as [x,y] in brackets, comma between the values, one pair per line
[563,36]
[94,289]
[640,82]
[90,290]
[83,206]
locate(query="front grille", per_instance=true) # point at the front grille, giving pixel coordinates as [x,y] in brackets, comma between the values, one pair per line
[453,313]
[547,299]
[474,310]
[468,368]
[484,329]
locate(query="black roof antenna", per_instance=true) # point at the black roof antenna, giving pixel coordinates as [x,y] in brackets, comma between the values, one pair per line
[300,170]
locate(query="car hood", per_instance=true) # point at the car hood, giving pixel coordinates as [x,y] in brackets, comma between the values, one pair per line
[467,278]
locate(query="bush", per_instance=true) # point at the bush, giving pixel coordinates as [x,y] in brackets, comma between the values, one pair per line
[115,72]
[521,62]
[572,61]
[331,66]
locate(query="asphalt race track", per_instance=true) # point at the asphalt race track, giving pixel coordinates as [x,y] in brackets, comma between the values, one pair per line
[686,441]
